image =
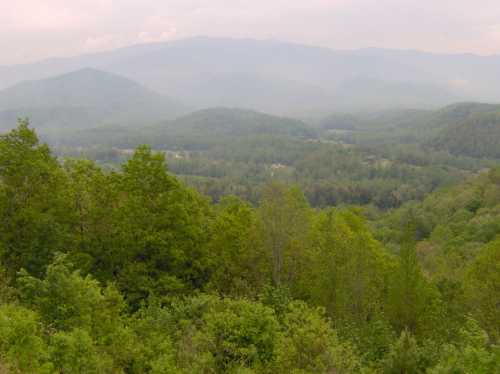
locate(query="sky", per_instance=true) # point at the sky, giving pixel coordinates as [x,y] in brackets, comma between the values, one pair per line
[31,30]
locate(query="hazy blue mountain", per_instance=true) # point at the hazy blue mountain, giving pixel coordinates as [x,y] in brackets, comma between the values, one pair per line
[84,98]
[374,94]
[287,78]
[55,118]
[257,92]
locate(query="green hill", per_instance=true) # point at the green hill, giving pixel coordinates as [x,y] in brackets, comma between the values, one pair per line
[472,130]
[465,129]
[199,129]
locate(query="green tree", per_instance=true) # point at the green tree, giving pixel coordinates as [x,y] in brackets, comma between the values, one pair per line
[92,197]
[75,352]
[470,354]
[405,357]
[142,228]
[22,347]
[408,292]
[239,266]
[154,328]
[223,335]
[33,206]
[350,267]
[71,303]
[308,344]
[483,289]
[284,224]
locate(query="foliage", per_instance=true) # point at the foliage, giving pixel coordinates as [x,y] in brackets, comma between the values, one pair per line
[131,271]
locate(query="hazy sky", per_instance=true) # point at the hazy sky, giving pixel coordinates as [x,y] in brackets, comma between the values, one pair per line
[35,29]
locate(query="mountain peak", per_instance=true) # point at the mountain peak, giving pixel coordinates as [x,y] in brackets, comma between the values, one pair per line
[102,97]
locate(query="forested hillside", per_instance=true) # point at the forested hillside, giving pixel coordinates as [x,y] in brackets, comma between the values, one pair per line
[197,130]
[129,270]
[451,224]
[476,136]
[435,130]
[224,151]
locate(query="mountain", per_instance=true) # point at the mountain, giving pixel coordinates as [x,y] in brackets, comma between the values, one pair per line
[407,118]
[196,130]
[378,120]
[376,94]
[84,98]
[256,91]
[475,132]
[459,112]
[287,78]
[236,122]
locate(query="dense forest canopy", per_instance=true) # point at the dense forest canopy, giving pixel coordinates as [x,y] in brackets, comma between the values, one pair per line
[249,187]
[128,269]
[390,158]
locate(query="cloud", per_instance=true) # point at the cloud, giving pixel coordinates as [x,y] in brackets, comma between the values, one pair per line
[493,31]
[155,37]
[20,18]
[99,42]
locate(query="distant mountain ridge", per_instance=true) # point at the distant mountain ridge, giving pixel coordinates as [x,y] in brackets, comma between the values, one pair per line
[287,78]
[84,98]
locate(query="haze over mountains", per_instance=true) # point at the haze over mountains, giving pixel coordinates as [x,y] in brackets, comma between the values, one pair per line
[233,205]
[84,98]
[284,78]
[144,94]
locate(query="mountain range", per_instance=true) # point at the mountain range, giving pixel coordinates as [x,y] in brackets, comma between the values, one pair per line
[286,78]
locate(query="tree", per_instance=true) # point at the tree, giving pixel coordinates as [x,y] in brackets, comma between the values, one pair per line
[470,354]
[405,356]
[284,223]
[408,293]
[92,197]
[222,335]
[308,344]
[75,352]
[483,289]
[239,266]
[80,310]
[151,237]
[33,206]
[22,347]
[350,267]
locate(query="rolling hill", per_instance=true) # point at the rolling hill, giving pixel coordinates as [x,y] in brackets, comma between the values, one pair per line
[475,134]
[464,129]
[195,130]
